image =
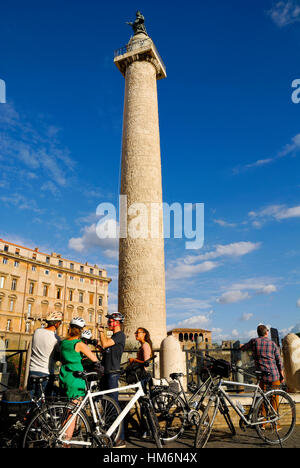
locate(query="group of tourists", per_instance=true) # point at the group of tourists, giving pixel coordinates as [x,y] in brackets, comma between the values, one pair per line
[48,348]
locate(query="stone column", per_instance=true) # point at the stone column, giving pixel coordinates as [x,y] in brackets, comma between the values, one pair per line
[141,251]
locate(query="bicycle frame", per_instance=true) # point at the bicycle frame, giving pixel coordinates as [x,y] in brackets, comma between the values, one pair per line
[258,392]
[89,397]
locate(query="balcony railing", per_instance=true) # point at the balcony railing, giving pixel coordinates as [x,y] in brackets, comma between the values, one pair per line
[137,45]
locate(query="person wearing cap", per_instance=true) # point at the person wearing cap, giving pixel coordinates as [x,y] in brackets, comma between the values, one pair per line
[44,353]
[113,348]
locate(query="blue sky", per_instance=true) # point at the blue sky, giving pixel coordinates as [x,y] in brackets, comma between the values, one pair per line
[230,138]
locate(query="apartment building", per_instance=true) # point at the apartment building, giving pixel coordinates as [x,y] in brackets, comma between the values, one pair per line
[33,283]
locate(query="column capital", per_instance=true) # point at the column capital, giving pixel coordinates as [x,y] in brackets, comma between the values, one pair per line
[140,48]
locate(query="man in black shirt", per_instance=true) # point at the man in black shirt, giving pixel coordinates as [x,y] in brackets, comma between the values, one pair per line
[112,353]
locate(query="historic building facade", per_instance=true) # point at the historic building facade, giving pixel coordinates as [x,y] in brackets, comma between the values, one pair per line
[189,337]
[33,283]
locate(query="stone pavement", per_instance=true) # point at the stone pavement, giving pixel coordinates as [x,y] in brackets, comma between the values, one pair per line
[219,439]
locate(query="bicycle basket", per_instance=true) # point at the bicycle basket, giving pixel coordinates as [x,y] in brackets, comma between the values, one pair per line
[15,404]
[220,367]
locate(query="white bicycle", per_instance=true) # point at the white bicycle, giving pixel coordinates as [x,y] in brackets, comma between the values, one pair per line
[48,427]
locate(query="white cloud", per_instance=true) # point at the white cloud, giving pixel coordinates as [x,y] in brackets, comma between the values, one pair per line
[223,223]
[93,237]
[196,321]
[273,212]
[192,265]
[236,249]
[241,291]
[290,148]
[284,13]
[187,302]
[232,297]
[39,150]
[245,317]
[186,271]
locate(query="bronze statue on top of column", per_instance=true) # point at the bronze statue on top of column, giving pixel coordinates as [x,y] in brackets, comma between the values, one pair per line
[138,25]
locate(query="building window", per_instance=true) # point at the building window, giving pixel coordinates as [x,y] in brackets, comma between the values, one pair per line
[91,299]
[2,282]
[34,256]
[6,248]
[72,266]
[47,259]
[100,301]
[4,261]
[11,305]
[45,290]
[47,272]
[81,280]
[59,275]
[90,316]
[100,273]
[71,278]
[99,318]
[60,263]
[27,327]
[91,271]
[29,310]
[58,293]
[31,288]
[33,268]
[8,325]
[70,295]
[81,268]
[80,297]
[16,264]
[17,252]
[14,284]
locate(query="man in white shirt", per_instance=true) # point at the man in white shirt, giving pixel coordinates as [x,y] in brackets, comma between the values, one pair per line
[45,352]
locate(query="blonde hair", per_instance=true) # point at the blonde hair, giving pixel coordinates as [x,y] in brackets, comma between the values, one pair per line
[74,332]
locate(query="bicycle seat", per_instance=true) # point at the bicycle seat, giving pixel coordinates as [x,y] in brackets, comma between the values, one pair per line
[86,375]
[176,375]
[39,379]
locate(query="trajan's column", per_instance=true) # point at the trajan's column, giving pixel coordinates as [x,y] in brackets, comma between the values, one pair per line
[141,245]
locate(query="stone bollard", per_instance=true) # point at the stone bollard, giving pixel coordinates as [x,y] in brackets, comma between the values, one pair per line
[291,359]
[172,358]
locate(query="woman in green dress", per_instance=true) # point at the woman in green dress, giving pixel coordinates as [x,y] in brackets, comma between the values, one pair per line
[72,349]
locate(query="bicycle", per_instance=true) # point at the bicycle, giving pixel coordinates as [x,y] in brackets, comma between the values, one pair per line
[176,410]
[16,414]
[272,413]
[48,427]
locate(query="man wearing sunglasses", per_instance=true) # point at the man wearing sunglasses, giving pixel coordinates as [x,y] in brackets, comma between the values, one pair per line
[113,348]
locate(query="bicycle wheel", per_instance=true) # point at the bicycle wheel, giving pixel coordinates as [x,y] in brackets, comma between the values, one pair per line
[206,424]
[43,428]
[153,424]
[280,410]
[108,410]
[172,417]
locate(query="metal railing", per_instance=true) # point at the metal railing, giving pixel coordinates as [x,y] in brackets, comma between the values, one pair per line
[139,44]
[13,366]
[195,362]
